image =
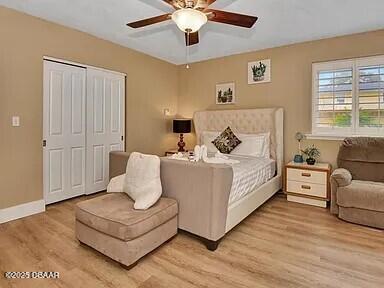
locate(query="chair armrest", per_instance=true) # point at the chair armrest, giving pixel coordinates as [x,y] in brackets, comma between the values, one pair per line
[342,177]
[339,178]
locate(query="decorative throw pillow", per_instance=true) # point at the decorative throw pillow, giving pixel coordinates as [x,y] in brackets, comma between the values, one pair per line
[116,184]
[226,141]
[142,180]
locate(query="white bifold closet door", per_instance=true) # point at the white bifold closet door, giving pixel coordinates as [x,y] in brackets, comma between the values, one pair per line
[64,129]
[84,111]
[105,124]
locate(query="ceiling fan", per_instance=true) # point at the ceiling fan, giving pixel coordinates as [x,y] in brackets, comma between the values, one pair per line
[191,15]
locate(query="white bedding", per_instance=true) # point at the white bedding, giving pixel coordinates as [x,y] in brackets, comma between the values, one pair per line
[249,174]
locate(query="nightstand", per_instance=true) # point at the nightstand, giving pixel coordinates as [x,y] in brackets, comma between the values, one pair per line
[171,152]
[308,184]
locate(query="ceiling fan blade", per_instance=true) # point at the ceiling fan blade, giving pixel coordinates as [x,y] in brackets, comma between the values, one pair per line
[193,38]
[230,18]
[203,4]
[149,21]
[177,4]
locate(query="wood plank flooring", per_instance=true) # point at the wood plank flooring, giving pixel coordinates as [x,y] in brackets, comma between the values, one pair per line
[282,244]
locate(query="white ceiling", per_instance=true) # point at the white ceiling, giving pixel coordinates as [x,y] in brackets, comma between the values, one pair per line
[280,22]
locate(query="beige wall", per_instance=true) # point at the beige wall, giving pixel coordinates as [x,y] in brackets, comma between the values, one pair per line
[152,85]
[290,87]
[24,40]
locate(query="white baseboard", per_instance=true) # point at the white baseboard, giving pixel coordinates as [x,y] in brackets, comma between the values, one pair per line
[23,210]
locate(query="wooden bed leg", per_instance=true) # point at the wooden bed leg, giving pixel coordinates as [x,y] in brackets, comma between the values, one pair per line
[211,245]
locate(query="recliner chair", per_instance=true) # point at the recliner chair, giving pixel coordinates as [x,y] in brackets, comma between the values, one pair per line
[357,186]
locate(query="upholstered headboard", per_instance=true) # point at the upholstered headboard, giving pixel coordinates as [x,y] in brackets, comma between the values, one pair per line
[246,121]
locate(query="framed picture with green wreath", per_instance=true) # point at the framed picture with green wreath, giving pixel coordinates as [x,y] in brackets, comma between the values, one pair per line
[259,71]
[225,93]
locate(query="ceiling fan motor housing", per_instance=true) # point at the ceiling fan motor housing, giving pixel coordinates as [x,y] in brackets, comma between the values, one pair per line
[189,4]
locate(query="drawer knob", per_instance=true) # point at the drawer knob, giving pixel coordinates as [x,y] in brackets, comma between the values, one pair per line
[307,187]
[306,174]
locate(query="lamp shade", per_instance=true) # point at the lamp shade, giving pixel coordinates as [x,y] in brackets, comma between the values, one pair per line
[182,125]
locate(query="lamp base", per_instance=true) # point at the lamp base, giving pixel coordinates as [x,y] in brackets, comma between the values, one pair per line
[298,159]
[181,144]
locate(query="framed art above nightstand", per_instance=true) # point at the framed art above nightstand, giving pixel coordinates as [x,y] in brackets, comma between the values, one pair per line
[308,184]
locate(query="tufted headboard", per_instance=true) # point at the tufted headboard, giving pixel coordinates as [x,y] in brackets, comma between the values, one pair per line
[246,121]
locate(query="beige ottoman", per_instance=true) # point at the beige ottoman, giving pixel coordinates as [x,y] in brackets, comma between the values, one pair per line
[110,225]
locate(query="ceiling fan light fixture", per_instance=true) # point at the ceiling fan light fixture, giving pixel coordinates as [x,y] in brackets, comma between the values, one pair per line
[189,20]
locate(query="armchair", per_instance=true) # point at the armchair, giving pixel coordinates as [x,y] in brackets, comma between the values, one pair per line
[357,186]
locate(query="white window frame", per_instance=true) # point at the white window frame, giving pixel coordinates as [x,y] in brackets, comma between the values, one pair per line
[354,130]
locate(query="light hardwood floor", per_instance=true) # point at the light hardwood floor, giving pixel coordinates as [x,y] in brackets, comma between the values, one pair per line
[282,244]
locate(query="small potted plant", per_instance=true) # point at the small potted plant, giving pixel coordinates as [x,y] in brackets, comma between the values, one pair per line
[220,97]
[224,97]
[312,154]
[229,94]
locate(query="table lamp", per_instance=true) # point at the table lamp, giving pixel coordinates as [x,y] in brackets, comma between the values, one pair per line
[299,157]
[182,126]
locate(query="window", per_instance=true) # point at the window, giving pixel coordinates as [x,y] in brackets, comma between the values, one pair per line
[348,97]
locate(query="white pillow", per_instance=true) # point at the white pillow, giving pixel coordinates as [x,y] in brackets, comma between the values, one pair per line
[256,145]
[142,180]
[116,184]
[206,139]
[267,146]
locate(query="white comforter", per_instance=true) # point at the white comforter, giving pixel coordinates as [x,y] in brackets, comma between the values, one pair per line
[249,174]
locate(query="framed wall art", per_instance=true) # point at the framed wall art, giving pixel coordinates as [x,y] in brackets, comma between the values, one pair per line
[225,93]
[259,71]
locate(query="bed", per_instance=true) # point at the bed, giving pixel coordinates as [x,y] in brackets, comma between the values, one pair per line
[248,121]
[209,203]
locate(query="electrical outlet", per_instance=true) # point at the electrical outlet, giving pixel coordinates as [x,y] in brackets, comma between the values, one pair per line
[15,121]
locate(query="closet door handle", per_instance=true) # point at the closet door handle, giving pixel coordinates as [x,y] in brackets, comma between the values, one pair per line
[306,174]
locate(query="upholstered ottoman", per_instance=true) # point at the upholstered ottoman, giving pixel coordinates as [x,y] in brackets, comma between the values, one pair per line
[110,225]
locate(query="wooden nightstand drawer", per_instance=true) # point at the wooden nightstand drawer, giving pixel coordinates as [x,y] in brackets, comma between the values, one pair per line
[310,189]
[308,176]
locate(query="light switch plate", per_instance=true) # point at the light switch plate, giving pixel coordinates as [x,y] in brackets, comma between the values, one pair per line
[15,121]
[167,112]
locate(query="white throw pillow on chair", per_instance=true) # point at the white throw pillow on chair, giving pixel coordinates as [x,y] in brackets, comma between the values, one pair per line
[116,184]
[142,180]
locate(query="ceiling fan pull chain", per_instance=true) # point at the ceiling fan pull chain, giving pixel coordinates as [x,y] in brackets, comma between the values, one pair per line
[187,51]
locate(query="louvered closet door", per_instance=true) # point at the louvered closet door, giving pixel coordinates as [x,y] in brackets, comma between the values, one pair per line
[105,124]
[64,131]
